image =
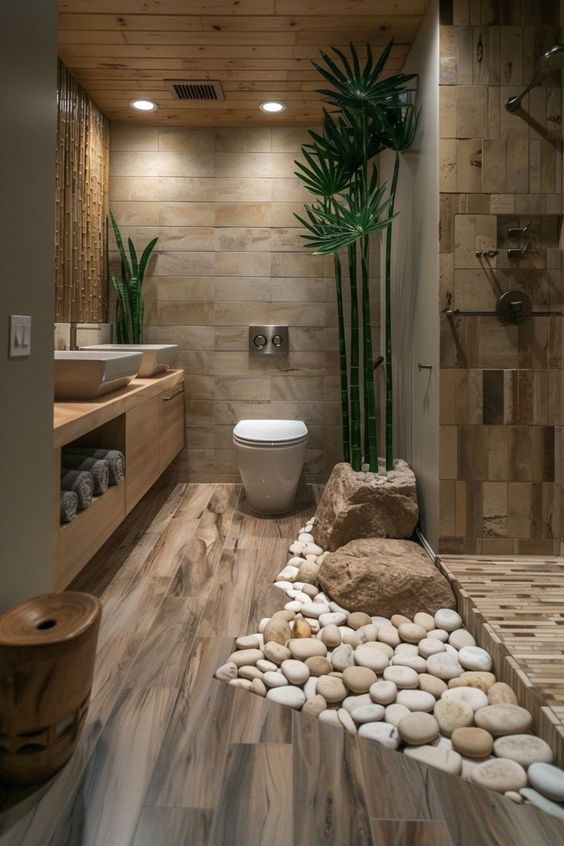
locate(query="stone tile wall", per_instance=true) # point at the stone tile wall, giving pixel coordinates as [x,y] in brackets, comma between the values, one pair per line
[500,385]
[230,254]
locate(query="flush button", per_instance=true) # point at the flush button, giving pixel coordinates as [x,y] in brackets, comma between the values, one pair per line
[268,340]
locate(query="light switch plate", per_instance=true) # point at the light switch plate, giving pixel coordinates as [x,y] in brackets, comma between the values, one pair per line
[20,335]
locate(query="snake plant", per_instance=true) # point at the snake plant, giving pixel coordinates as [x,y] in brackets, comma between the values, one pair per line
[369,114]
[129,288]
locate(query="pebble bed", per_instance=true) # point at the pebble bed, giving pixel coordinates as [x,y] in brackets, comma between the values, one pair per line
[420,686]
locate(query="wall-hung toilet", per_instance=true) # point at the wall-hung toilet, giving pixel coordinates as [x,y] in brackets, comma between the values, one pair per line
[271,456]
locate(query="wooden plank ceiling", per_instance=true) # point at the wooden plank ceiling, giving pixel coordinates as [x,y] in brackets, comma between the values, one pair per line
[258,49]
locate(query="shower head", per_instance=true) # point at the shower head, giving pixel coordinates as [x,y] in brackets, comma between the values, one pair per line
[550,61]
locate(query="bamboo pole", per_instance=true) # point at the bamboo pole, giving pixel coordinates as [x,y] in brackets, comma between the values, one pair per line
[81,205]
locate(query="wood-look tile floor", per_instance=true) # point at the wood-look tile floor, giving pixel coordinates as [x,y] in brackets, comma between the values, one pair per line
[172,757]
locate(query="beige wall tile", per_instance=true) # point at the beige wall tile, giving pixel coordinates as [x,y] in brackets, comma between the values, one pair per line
[133,139]
[183,139]
[180,288]
[296,265]
[186,164]
[243,264]
[289,191]
[471,110]
[174,313]
[243,214]
[447,165]
[186,214]
[184,264]
[243,139]
[289,139]
[187,189]
[234,289]
[133,164]
[242,190]
[289,388]
[242,239]
[233,165]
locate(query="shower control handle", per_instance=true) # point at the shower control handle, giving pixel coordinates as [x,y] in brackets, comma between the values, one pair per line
[259,341]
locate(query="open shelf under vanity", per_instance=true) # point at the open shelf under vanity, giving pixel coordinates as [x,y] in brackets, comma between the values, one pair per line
[145,421]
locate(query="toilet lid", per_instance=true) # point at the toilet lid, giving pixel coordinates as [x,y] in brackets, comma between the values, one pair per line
[270,430]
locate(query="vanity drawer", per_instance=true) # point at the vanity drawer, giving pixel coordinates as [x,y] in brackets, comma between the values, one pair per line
[172,426]
[142,468]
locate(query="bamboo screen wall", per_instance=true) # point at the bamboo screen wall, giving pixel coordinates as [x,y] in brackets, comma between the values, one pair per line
[81,205]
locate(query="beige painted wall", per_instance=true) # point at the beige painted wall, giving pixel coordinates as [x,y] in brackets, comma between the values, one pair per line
[230,255]
[28,85]
[416,284]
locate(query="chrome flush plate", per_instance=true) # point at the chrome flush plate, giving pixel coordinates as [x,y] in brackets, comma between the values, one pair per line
[268,340]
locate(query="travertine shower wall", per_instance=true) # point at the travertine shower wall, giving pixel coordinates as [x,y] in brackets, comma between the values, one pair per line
[230,254]
[500,385]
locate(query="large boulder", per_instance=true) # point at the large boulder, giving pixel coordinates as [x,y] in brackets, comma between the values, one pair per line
[384,577]
[366,505]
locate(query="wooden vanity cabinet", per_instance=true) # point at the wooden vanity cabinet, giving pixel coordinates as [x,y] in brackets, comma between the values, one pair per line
[146,422]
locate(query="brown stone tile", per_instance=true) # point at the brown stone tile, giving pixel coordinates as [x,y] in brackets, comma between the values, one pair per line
[469,165]
[463,37]
[535,547]
[472,452]
[449,452]
[485,55]
[447,165]
[498,455]
[497,344]
[494,166]
[447,510]
[458,546]
[497,546]
[517,166]
[447,56]
[519,513]
[494,499]
[493,408]
[511,52]
[448,112]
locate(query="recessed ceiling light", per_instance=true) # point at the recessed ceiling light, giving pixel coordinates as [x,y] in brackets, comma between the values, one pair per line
[271,106]
[143,105]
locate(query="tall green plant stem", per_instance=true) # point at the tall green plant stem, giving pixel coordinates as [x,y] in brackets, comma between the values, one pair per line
[356,435]
[343,361]
[388,316]
[370,431]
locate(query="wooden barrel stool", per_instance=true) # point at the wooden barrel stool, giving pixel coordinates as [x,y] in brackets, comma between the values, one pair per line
[47,653]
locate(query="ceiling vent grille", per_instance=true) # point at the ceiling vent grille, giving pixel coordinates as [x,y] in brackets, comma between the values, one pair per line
[196,89]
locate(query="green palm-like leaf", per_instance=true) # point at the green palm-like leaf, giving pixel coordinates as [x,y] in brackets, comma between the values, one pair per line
[329,230]
[321,175]
[355,87]
[399,121]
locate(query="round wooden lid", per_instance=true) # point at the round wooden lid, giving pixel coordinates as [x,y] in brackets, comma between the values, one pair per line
[48,619]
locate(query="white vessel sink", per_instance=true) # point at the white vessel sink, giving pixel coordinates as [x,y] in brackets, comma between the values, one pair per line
[156,357]
[84,375]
